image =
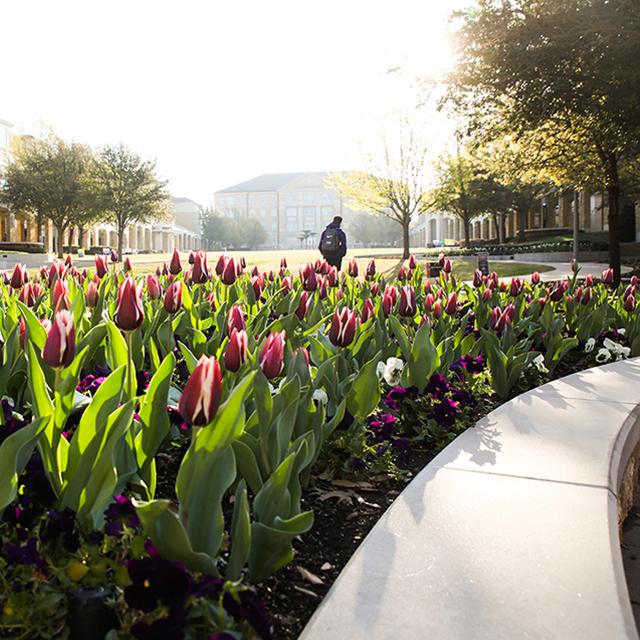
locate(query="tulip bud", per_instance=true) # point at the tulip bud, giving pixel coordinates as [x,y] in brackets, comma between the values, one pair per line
[229,275]
[446,267]
[516,287]
[486,294]
[343,327]
[19,277]
[412,262]
[332,277]
[60,346]
[586,296]
[154,288]
[630,303]
[92,294]
[557,294]
[494,317]
[402,274]
[114,255]
[211,299]
[126,265]
[451,306]
[102,268]
[235,319]
[201,395]
[272,355]
[303,307]
[174,266]
[353,268]
[437,309]
[629,291]
[200,272]
[371,270]
[256,283]
[221,264]
[367,310]
[608,276]
[308,278]
[286,284]
[129,312]
[236,352]
[28,295]
[407,305]
[428,302]
[375,289]
[477,278]
[635,281]
[60,295]
[323,289]
[192,257]
[173,297]
[283,263]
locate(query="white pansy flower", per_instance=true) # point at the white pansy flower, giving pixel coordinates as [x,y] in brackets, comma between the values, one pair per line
[589,345]
[320,395]
[622,331]
[616,349]
[538,363]
[603,355]
[380,367]
[390,371]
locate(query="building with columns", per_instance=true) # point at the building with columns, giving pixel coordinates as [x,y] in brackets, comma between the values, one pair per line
[289,206]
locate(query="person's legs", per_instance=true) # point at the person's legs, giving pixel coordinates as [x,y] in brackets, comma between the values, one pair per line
[334,261]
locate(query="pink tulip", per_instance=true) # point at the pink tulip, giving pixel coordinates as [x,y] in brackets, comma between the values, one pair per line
[308,278]
[60,295]
[235,319]
[19,277]
[535,278]
[129,312]
[608,276]
[368,310]
[154,288]
[451,306]
[126,265]
[271,357]
[92,294]
[102,266]
[201,395]
[60,346]
[303,307]
[630,303]
[407,305]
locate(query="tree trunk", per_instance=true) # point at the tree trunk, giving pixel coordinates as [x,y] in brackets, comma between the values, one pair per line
[614,232]
[405,240]
[60,240]
[522,223]
[467,238]
[576,225]
[120,241]
[80,236]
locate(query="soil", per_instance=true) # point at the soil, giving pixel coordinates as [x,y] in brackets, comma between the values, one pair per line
[345,511]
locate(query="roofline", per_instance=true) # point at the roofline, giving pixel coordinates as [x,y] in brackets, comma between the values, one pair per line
[6,123]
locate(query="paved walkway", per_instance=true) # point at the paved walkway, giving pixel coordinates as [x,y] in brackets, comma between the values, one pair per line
[563,269]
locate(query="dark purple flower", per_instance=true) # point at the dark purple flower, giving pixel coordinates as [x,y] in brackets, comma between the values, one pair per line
[248,607]
[157,581]
[383,426]
[26,555]
[118,514]
[61,524]
[402,443]
[444,411]
[437,385]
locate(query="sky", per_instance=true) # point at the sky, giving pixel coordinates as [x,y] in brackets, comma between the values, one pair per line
[220,91]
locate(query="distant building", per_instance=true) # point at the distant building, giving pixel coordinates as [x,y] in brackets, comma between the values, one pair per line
[6,221]
[290,206]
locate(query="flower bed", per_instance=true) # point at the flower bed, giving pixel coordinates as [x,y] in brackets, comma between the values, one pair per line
[165,440]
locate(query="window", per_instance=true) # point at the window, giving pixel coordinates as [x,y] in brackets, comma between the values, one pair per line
[327,214]
[309,218]
[292,218]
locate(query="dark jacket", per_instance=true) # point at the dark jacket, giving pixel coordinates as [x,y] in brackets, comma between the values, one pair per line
[342,240]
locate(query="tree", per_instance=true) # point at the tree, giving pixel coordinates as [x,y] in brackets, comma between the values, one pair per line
[373,230]
[127,189]
[394,187]
[222,232]
[48,178]
[562,68]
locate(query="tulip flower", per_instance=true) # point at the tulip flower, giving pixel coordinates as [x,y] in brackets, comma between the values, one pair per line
[578,293]
[200,271]
[437,309]
[343,327]
[126,265]
[388,302]
[428,302]
[92,294]
[257,284]
[368,310]
[515,287]
[287,285]
[535,278]
[165,269]
[236,352]
[308,278]
[192,257]
[353,268]
[23,333]
[407,305]
[19,277]
[588,281]
[629,291]
[608,276]
[412,262]
[586,296]
[174,266]
[283,263]
[323,289]
[332,277]
[211,299]
[301,351]
[477,278]
[371,270]
[56,270]
[557,294]
[173,297]
[375,289]
[271,276]
[154,288]
[102,267]
[402,274]
[60,295]
[114,255]
[494,317]
[446,267]
[635,281]
[303,307]
[229,275]
[451,305]
[441,259]
[60,346]
[504,321]
[221,264]
[129,312]
[486,294]
[272,355]
[630,303]
[235,319]
[239,268]
[29,294]
[318,265]
[201,395]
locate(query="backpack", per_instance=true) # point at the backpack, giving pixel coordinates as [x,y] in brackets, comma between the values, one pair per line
[330,241]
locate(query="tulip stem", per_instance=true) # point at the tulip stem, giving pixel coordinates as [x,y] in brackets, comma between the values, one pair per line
[131,373]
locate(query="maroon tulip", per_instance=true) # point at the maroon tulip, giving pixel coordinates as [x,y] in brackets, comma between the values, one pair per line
[608,276]
[174,266]
[19,277]
[173,297]
[201,395]
[126,265]
[586,296]
[437,309]
[446,266]
[323,289]
[353,268]
[407,305]
[516,287]
[272,355]
[92,294]
[154,288]
[301,351]
[375,289]
[60,295]
[60,345]
[192,257]
[158,271]
[286,284]
[429,302]
[221,264]
[165,269]
[283,263]
[211,299]
[557,294]
[535,278]
[451,306]
[332,277]
[29,294]
[229,274]
[412,262]
[303,307]
[56,270]
[486,294]
[343,327]
[102,267]
[630,303]
[236,351]
[114,255]
[367,310]
[129,312]
[308,278]
[370,270]
[200,271]
[629,291]
[257,283]
[477,278]
[235,319]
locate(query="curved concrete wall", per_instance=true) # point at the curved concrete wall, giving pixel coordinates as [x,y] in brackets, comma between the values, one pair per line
[510,532]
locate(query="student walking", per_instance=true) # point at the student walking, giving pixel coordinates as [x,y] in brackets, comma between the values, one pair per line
[333,243]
